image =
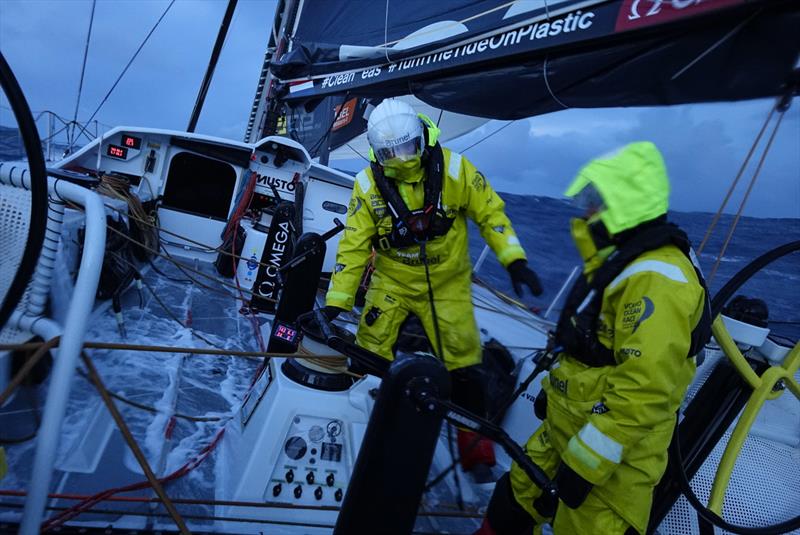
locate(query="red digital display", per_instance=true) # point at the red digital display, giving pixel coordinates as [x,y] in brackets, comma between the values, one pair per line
[285,333]
[131,142]
[117,152]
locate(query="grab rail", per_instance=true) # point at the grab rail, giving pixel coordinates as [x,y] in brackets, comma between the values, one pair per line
[74,329]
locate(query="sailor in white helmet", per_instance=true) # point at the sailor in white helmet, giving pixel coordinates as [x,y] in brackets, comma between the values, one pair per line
[411,206]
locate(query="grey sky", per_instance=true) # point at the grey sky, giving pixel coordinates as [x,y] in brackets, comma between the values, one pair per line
[44,40]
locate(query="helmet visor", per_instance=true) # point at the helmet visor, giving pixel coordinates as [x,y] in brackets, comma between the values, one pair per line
[403,152]
[589,200]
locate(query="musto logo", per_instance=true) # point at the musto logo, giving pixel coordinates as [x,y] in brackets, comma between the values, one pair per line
[266,182]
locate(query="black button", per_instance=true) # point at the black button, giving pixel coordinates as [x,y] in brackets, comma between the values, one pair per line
[310,478]
[289,476]
[295,448]
[298,491]
[318,493]
[313,451]
[276,489]
[338,495]
[329,480]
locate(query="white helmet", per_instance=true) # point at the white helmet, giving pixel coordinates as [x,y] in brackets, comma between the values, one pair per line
[394,131]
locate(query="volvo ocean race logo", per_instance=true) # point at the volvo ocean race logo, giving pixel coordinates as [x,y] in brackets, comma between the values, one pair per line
[252,262]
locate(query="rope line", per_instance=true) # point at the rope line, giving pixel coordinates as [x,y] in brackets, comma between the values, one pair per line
[746,196]
[132,444]
[744,165]
[148,408]
[41,350]
[171,349]
[209,248]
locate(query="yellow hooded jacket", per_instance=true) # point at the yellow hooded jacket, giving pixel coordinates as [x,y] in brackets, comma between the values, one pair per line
[400,273]
[612,425]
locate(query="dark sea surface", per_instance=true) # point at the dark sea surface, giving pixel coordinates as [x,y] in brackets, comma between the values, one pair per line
[542,224]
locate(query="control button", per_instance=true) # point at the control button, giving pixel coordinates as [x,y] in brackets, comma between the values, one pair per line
[313,451]
[295,448]
[277,489]
[290,476]
[329,480]
[298,491]
[338,495]
[310,478]
[318,493]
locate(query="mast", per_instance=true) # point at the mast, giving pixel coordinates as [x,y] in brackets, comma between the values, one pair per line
[212,64]
[267,111]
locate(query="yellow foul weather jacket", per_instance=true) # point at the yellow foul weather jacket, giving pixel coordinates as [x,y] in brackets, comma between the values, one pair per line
[612,424]
[398,284]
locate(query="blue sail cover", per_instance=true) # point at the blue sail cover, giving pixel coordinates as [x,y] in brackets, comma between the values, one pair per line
[508,60]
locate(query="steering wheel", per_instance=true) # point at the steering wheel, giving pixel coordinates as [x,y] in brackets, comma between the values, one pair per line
[764,388]
[38,187]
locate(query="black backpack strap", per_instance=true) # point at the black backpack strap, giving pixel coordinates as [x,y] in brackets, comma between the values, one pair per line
[434,177]
[390,193]
[577,325]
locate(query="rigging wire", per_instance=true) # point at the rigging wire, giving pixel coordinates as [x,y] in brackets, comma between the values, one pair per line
[318,144]
[711,48]
[354,150]
[764,154]
[490,135]
[449,24]
[83,72]
[135,54]
[732,187]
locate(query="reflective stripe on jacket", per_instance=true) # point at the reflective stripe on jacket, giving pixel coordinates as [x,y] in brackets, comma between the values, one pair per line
[612,424]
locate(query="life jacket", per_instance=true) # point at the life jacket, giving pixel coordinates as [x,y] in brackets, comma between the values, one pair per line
[410,227]
[576,331]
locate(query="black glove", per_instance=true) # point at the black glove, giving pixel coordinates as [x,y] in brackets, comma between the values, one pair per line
[330,314]
[572,488]
[522,274]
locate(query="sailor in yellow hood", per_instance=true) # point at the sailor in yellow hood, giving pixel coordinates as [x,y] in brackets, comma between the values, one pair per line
[411,206]
[626,339]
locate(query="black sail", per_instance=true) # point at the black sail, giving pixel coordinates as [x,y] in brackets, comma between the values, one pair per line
[490,59]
